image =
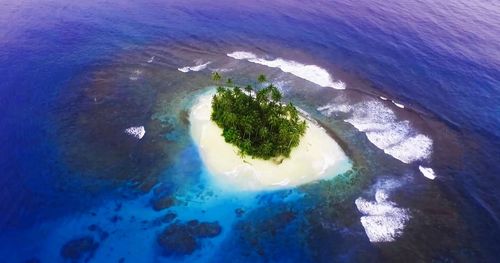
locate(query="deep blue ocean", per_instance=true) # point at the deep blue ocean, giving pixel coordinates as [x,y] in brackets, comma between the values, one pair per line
[75,188]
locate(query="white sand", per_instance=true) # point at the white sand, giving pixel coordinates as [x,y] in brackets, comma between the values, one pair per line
[317,156]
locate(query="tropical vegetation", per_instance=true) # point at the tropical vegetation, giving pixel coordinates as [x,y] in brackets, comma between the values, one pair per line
[255,120]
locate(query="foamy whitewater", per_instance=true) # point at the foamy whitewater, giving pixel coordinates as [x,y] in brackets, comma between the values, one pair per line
[427,172]
[316,157]
[135,75]
[382,220]
[384,130]
[310,73]
[399,105]
[197,67]
[137,132]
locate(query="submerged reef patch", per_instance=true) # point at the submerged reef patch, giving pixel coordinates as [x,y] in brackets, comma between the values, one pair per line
[80,248]
[184,238]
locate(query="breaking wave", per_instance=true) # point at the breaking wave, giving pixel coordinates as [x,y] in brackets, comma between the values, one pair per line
[384,130]
[427,172]
[312,73]
[382,220]
[197,67]
[137,132]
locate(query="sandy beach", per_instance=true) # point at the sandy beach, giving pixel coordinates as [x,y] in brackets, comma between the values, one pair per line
[317,156]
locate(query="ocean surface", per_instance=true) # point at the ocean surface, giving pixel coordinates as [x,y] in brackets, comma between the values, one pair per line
[97,163]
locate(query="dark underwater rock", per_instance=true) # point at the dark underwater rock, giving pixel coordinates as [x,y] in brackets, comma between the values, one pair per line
[284,218]
[78,248]
[115,218]
[206,229]
[177,239]
[193,223]
[183,239]
[93,227]
[258,235]
[163,203]
[165,219]
[164,189]
[279,221]
[168,217]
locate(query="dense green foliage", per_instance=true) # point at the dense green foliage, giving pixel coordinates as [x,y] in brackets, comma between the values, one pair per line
[255,120]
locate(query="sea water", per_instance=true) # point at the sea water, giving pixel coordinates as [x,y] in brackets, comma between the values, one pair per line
[94,129]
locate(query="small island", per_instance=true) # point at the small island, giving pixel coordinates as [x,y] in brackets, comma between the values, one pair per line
[250,140]
[256,121]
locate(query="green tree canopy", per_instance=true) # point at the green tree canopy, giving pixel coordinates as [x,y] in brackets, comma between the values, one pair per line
[256,121]
[261,78]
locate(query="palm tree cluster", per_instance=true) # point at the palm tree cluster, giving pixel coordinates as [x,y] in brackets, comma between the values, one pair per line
[255,120]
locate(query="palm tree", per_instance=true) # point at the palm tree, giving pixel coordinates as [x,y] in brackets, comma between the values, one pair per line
[261,78]
[216,76]
[249,89]
[275,93]
[255,121]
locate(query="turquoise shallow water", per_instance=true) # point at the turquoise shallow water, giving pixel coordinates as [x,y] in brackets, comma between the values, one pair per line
[76,187]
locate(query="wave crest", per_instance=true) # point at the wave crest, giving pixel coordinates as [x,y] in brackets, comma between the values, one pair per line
[312,73]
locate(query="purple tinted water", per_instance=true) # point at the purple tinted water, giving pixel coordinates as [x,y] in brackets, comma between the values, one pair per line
[440,58]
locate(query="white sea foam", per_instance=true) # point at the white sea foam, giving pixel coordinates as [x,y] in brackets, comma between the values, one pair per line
[382,220]
[135,75]
[242,55]
[151,59]
[398,104]
[137,132]
[381,196]
[222,70]
[427,172]
[384,130]
[197,67]
[312,73]
[413,148]
[382,98]
[331,108]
